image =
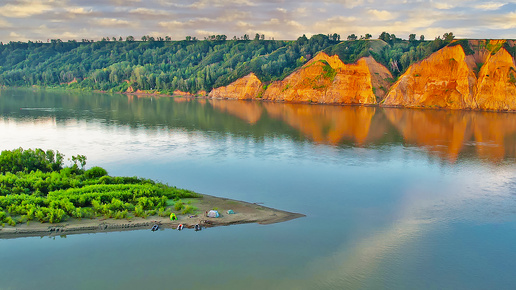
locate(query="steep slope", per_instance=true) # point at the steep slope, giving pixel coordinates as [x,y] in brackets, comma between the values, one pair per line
[324,79]
[444,80]
[244,88]
[447,79]
[496,88]
[328,80]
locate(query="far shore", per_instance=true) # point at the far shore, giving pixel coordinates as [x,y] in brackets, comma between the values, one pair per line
[244,212]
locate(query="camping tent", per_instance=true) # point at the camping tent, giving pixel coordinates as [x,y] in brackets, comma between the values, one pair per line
[213,214]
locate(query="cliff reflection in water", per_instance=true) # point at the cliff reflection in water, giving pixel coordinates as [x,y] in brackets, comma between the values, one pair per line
[445,134]
[448,135]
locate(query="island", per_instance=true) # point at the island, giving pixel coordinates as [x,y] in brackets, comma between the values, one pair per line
[39,196]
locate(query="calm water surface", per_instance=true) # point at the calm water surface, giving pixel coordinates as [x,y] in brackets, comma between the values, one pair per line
[394,198]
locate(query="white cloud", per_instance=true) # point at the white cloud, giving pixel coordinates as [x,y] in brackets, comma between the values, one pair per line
[171,24]
[489,6]
[17,37]
[23,9]
[444,5]
[147,11]
[381,14]
[506,21]
[79,10]
[111,22]
[284,19]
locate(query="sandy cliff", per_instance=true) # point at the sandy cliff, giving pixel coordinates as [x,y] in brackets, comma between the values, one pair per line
[443,80]
[324,79]
[450,79]
[484,78]
[496,88]
[245,88]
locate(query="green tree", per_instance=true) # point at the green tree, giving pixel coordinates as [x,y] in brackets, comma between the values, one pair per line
[448,37]
[352,37]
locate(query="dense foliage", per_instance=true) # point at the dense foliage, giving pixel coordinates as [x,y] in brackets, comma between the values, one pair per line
[190,65]
[55,193]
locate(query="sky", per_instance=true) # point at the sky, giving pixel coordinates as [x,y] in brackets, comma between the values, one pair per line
[22,20]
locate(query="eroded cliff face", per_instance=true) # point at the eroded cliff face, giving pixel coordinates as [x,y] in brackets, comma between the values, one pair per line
[245,88]
[483,79]
[443,80]
[496,89]
[448,79]
[326,79]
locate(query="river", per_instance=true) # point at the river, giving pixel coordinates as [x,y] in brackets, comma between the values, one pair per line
[393,198]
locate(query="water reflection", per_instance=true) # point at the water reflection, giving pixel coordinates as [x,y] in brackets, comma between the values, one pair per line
[326,124]
[250,112]
[448,135]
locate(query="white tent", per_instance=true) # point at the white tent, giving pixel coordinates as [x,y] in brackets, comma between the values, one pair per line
[213,214]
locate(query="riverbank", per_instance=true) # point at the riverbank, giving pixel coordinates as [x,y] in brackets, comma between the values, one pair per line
[244,213]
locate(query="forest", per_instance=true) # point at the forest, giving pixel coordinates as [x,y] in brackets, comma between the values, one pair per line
[192,65]
[35,185]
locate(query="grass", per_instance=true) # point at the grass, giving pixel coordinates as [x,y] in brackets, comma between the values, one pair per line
[189,209]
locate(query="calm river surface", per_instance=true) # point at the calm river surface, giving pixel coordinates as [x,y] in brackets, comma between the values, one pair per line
[393,198]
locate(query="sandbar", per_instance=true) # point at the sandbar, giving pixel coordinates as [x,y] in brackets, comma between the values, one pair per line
[244,213]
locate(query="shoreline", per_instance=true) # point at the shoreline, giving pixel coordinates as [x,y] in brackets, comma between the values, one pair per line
[206,97]
[244,213]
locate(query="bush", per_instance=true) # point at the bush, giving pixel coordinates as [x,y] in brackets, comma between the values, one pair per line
[178,205]
[53,196]
[189,209]
[95,172]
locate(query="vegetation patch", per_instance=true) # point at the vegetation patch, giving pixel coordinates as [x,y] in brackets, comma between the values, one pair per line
[494,48]
[464,43]
[34,185]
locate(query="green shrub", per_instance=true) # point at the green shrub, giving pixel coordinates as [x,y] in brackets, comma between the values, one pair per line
[178,205]
[188,209]
[95,172]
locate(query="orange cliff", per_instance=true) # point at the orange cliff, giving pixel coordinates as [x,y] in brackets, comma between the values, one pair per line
[443,80]
[326,79]
[496,88]
[245,88]
[323,79]
[447,79]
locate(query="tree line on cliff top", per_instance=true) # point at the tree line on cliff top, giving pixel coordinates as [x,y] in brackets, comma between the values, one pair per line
[191,65]
[35,185]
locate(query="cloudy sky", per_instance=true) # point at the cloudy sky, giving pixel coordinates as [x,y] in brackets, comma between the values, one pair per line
[22,20]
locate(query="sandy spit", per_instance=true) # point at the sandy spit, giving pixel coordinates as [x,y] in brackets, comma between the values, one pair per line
[244,213]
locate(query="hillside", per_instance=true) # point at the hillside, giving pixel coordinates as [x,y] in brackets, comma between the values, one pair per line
[476,74]
[188,65]
[450,74]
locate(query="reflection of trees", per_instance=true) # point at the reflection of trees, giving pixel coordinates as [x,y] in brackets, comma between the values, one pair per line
[446,134]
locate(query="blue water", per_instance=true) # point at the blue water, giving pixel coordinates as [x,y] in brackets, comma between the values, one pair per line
[391,201]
